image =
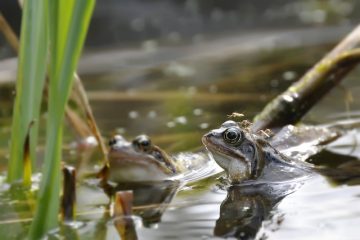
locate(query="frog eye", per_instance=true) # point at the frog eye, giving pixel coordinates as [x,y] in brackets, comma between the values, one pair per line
[113,141]
[142,143]
[232,135]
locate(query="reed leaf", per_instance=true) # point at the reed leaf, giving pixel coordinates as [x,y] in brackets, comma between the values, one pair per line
[68,22]
[29,85]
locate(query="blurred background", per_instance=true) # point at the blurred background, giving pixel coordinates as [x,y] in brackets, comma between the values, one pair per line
[176,68]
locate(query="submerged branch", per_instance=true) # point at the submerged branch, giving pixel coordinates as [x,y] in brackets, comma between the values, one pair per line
[294,103]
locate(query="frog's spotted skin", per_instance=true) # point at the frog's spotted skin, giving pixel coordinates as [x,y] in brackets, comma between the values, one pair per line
[245,155]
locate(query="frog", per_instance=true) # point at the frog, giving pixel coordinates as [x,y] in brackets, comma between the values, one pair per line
[139,160]
[142,161]
[248,156]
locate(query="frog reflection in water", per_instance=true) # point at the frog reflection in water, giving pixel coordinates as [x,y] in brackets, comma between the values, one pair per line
[248,156]
[245,208]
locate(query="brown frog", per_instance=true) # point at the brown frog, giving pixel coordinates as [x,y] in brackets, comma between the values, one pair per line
[139,160]
[250,156]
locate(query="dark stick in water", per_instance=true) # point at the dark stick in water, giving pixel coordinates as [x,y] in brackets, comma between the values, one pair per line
[294,103]
[69,194]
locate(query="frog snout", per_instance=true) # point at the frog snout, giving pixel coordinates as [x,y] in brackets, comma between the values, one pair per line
[209,136]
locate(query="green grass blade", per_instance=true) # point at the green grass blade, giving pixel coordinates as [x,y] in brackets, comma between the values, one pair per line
[29,85]
[68,24]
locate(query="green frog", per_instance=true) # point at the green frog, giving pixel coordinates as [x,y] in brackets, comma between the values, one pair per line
[143,161]
[248,156]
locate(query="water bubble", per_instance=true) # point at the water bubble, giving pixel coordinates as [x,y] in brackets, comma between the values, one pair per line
[133,114]
[174,37]
[181,120]
[137,24]
[289,75]
[149,46]
[217,15]
[313,16]
[191,90]
[274,83]
[198,111]
[204,125]
[120,130]
[152,114]
[90,141]
[197,38]
[288,98]
[179,70]
[192,6]
[213,89]
[170,124]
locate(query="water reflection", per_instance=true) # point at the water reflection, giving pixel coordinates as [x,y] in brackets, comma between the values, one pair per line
[246,207]
[150,199]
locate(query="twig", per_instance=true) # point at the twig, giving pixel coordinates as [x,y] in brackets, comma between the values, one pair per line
[69,194]
[79,92]
[294,103]
[9,34]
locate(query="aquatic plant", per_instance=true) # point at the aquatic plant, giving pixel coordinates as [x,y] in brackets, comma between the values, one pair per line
[52,37]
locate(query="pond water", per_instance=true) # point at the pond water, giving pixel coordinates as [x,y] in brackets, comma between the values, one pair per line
[175,94]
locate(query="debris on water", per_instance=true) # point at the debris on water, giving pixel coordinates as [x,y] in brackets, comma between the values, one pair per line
[236,115]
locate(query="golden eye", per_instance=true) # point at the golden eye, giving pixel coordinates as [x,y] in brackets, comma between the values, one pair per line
[232,135]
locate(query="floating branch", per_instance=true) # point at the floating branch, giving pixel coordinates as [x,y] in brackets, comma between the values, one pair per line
[294,103]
